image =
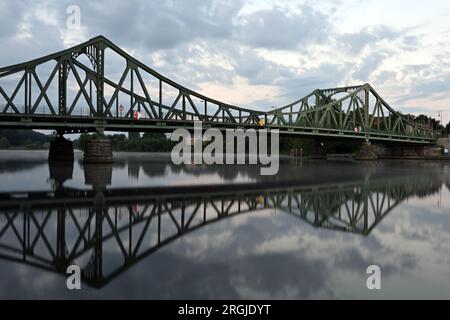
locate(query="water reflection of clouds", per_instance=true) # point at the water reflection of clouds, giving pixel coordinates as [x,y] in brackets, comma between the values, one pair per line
[400,262]
[420,234]
[256,258]
[236,259]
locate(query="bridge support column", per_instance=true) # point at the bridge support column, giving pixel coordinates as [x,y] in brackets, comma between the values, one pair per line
[98,150]
[61,149]
[367,152]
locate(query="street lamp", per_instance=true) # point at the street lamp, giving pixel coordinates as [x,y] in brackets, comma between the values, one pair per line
[204,107]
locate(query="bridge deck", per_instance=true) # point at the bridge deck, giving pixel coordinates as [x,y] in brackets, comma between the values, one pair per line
[84,124]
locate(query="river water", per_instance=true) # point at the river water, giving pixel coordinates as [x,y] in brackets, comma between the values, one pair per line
[144,228]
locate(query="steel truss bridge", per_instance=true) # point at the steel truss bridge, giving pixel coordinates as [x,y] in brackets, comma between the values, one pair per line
[52,230]
[73,91]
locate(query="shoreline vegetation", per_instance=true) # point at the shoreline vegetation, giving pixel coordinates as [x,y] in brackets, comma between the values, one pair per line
[11,139]
[147,142]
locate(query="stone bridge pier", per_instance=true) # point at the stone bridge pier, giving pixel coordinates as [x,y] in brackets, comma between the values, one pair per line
[98,150]
[61,149]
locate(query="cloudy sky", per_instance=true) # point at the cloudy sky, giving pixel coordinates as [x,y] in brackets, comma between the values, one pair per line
[258,53]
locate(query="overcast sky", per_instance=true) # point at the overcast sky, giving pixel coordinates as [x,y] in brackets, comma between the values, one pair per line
[258,53]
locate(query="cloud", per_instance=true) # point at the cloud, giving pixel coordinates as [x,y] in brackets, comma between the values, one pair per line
[280,29]
[356,42]
[368,66]
[353,259]
[426,82]
[325,75]
[290,48]
[10,13]
[160,25]
[432,86]
[385,76]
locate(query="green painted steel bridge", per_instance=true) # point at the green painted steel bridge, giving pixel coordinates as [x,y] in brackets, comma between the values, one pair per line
[72,91]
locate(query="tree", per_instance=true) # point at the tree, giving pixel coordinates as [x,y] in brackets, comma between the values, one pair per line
[82,141]
[23,137]
[134,135]
[4,143]
[447,128]
[154,135]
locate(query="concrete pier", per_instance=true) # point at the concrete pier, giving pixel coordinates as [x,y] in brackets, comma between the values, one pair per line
[61,149]
[98,150]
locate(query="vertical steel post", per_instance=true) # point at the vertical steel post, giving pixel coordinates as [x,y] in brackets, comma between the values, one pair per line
[62,86]
[160,99]
[366,113]
[290,116]
[26,90]
[184,107]
[131,92]
[100,61]
[316,114]
[90,95]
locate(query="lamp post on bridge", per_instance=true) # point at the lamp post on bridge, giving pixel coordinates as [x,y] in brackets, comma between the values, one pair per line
[205,110]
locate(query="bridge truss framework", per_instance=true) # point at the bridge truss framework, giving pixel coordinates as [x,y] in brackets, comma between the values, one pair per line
[52,92]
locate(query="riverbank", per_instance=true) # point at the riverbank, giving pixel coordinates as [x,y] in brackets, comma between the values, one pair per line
[352,157]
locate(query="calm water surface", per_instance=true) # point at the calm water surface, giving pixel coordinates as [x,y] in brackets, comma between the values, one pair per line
[144,228]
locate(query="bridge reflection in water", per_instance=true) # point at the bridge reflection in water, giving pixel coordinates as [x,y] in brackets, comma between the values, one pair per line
[52,230]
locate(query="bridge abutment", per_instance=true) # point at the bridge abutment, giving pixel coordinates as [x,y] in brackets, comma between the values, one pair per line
[61,149]
[409,152]
[444,144]
[98,150]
